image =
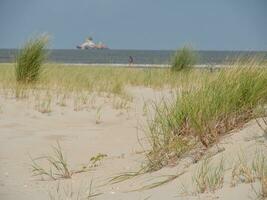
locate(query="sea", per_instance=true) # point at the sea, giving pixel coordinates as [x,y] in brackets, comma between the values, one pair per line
[147,57]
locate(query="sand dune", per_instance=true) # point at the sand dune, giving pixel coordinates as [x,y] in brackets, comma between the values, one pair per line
[27,133]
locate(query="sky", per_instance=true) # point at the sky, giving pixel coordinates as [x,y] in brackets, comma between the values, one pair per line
[137,24]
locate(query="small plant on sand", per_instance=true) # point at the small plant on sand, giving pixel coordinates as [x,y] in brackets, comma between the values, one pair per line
[58,166]
[249,172]
[62,100]
[183,59]
[80,100]
[43,104]
[21,91]
[242,172]
[208,177]
[263,121]
[98,115]
[121,102]
[145,109]
[263,192]
[66,191]
[259,167]
[96,160]
[117,88]
[30,59]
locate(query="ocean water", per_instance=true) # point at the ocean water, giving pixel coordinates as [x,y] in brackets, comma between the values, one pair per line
[122,56]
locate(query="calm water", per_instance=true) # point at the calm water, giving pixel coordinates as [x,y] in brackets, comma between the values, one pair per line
[122,56]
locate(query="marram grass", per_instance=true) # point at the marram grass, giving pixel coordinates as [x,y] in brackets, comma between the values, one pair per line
[183,59]
[63,85]
[220,103]
[30,59]
[60,77]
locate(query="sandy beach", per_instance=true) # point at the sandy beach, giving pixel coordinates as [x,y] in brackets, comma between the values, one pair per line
[133,100]
[117,133]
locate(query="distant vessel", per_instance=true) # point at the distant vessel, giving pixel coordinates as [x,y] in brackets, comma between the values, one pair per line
[89,44]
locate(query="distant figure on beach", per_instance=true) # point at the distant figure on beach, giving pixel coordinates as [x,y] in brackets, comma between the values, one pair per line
[130,60]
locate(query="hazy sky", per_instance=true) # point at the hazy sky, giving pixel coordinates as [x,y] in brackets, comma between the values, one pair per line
[138,24]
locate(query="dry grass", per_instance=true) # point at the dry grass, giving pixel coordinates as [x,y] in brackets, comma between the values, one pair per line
[263,121]
[242,172]
[98,115]
[208,177]
[211,175]
[250,172]
[259,168]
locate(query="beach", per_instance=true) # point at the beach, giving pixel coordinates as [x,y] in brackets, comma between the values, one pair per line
[133,100]
[101,129]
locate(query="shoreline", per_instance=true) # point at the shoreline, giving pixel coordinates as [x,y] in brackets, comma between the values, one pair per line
[140,57]
[125,65]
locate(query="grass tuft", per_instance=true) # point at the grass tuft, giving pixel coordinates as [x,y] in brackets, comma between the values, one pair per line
[30,59]
[221,102]
[183,59]
[208,177]
[249,172]
[58,166]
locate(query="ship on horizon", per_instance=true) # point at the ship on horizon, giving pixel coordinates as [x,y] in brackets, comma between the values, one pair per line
[89,44]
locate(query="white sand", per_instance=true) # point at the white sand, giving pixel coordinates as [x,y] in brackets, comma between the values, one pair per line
[25,132]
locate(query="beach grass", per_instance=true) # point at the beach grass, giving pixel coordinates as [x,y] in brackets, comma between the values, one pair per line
[97,78]
[222,101]
[30,59]
[252,171]
[55,166]
[183,59]
[58,169]
[206,105]
[208,177]
[78,86]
